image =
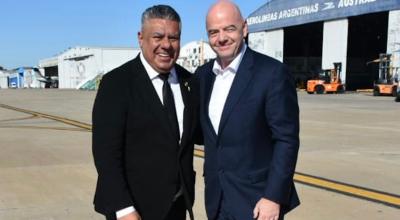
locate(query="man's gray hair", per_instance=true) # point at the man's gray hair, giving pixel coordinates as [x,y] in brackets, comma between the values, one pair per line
[161,12]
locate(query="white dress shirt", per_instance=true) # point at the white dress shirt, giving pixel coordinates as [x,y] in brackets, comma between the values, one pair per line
[179,105]
[222,85]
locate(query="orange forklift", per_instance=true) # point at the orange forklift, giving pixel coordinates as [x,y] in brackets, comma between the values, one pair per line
[327,81]
[386,83]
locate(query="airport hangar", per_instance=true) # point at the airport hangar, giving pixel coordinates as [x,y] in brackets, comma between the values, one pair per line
[310,35]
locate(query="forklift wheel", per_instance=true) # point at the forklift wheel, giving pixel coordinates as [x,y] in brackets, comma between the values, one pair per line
[319,89]
[394,92]
[376,91]
[340,90]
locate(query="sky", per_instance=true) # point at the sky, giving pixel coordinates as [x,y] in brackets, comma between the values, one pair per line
[31,30]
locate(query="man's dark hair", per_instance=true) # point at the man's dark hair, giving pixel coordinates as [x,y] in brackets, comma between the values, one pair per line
[161,12]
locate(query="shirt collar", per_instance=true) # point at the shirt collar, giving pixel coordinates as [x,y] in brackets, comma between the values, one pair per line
[233,66]
[153,74]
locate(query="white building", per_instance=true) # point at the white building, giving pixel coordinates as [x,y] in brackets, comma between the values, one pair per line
[23,77]
[195,54]
[76,66]
[309,35]
[3,79]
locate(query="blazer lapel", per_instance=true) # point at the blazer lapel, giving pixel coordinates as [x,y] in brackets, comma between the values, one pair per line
[149,95]
[188,107]
[208,85]
[240,83]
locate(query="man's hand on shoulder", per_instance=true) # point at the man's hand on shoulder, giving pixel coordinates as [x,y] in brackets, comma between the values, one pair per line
[131,216]
[266,210]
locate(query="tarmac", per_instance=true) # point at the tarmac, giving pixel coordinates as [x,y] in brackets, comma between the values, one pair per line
[349,140]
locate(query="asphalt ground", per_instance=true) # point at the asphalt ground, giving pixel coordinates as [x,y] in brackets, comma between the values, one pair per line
[348,166]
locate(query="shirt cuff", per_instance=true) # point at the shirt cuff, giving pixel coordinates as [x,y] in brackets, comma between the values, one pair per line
[125,211]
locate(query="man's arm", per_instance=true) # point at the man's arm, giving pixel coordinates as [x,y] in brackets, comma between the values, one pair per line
[109,118]
[282,114]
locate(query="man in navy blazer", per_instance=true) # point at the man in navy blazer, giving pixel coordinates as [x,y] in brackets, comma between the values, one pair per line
[250,119]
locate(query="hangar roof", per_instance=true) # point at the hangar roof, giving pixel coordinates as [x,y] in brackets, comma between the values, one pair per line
[283,13]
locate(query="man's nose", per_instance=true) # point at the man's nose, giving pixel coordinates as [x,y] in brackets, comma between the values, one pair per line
[222,37]
[166,43]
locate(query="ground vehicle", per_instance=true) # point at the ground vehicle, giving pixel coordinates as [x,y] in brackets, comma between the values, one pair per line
[386,83]
[327,81]
[49,81]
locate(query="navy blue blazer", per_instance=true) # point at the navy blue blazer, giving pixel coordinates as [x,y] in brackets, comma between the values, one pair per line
[255,152]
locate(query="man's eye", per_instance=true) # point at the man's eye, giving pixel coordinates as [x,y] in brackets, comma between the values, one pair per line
[173,38]
[212,33]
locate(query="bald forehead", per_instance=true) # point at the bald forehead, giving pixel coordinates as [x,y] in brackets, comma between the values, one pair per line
[224,7]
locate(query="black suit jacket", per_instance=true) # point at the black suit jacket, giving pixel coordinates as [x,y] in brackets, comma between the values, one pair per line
[137,159]
[254,154]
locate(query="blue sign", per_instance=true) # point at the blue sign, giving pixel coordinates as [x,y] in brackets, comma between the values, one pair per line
[283,13]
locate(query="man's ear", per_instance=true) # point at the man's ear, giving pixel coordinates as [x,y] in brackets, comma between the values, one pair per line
[245,29]
[140,38]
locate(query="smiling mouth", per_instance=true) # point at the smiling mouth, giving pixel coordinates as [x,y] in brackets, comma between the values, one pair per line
[164,56]
[224,47]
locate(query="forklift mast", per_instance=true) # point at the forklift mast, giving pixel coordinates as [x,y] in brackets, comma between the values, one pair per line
[335,76]
[384,68]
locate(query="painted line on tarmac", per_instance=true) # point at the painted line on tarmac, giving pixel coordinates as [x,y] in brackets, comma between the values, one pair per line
[52,117]
[198,153]
[18,119]
[385,198]
[43,128]
[340,187]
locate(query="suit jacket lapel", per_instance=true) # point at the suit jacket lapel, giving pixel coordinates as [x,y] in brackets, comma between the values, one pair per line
[188,106]
[149,95]
[208,86]
[240,83]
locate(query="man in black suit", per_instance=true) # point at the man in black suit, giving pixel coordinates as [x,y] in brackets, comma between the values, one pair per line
[144,121]
[250,119]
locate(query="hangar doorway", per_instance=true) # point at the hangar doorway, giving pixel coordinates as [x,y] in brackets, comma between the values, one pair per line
[302,51]
[51,71]
[367,39]
[51,74]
